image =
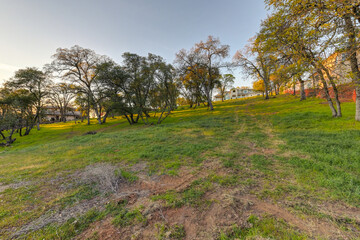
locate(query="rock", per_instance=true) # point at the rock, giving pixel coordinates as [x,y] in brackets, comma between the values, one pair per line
[90,133]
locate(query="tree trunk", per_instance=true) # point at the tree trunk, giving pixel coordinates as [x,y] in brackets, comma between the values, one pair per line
[302,89]
[130,122]
[27,131]
[314,86]
[146,114]
[160,119]
[88,113]
[336,92]
[105,116]
[352,43]
[337,101]
[142,118]
[132,118]
[2,135]
[294,93]
[210,105]
[97,113]
[10,139]
[327,95]
[266,89]
[38,118]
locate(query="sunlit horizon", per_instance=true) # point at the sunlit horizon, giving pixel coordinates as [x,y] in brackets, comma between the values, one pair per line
[32,31]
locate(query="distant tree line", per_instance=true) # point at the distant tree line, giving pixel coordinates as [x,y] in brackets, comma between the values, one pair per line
[141,88]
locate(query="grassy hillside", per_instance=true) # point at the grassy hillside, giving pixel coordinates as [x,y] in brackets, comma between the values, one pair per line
[279,169]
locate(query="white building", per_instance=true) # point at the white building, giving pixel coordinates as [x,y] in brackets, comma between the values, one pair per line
[236,93]
[52,114]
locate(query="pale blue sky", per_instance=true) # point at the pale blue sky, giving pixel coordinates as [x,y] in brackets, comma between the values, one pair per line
[31,30]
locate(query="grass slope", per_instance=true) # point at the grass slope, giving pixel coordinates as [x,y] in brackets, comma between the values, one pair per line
[280,150]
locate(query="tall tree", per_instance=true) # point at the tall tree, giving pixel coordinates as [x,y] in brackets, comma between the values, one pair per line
[204,61]
[259,86]
[61,95]
[36,83]
[79,65]
[226,81]
[257,62]
[165,93]
[302,36]
[17,112]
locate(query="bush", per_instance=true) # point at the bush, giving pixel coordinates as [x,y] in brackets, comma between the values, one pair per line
[105,175]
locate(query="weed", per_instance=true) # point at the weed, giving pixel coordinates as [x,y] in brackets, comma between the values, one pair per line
[166,232]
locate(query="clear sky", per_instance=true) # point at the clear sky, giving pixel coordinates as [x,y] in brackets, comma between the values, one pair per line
[32,30]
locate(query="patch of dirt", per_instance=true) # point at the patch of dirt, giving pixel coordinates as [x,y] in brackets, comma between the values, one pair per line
[340,210]
[14,185]
[227,207]
[101,230]
[109,127]
[311,226]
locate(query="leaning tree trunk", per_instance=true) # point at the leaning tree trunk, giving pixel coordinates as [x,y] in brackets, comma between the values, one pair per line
[38,118]
[336,92]
[302,89]
[9,139]
[337,100]
[97,113]
[128,119]
[105,116]
[351,34]
[27,130]
[327,94]
[2,135]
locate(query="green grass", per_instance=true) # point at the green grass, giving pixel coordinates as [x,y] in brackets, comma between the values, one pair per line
[192,196]
[175,232]
[68,230]
[318,153]
[266,227]
[125,217]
